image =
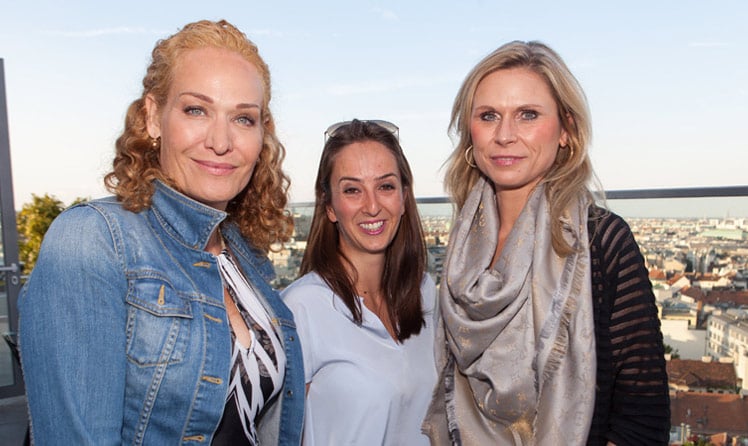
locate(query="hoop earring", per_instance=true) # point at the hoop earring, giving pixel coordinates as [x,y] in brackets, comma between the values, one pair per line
[467,157]
[571,152]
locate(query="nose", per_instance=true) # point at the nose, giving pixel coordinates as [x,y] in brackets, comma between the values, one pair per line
[218,137]
[506,132]
[371,203]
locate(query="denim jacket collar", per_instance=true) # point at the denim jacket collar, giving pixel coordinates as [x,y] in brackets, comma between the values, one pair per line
[187,221]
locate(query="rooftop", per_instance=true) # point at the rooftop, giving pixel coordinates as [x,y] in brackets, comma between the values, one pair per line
[699,374]
[710,413]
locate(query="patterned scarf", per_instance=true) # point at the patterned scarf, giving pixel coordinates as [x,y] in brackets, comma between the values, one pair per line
[518,358]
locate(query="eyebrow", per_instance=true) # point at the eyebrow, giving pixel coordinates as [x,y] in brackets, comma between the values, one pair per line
[491,107]
[207,99]
[358,180]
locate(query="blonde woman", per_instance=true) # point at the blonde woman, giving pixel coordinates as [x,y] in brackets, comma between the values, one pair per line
[549,327]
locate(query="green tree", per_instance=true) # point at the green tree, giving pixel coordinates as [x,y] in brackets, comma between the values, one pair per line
[33,221]
[674,354]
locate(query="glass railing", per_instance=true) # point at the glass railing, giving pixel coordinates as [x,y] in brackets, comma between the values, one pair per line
[683,224]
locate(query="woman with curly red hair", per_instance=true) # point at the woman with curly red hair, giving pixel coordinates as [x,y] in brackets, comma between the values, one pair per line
[148,318]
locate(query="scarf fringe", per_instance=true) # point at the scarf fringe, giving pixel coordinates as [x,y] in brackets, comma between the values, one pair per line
[561,337]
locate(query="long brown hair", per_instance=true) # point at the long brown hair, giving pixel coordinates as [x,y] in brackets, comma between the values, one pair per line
[260,209]
[405,257]
[571,173]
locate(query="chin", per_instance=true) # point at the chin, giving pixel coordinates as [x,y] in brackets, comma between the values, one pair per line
[377,249]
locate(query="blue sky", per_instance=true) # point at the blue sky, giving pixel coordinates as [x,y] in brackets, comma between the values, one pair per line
[667,81]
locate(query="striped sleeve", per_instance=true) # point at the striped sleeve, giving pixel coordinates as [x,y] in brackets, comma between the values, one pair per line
[633,406]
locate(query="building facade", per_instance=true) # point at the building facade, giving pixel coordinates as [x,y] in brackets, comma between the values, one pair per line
[727,337]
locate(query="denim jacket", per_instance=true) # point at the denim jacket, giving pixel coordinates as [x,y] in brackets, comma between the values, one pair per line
[124,335]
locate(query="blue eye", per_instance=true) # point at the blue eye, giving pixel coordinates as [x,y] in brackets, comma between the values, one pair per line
[194,111]
[245,120]
[528,115]
[489,116]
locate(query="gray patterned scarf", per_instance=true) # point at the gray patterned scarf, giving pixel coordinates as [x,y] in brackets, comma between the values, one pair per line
[518,361]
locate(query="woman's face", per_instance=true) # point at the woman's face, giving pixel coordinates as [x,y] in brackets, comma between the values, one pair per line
[515,129]
[210,126]
[367,199]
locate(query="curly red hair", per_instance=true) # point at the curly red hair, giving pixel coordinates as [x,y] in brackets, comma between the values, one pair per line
[260,209]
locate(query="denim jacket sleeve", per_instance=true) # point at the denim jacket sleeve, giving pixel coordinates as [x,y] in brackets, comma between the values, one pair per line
[75,387]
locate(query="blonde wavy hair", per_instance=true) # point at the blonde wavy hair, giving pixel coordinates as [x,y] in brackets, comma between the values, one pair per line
[260,209]
[572,172]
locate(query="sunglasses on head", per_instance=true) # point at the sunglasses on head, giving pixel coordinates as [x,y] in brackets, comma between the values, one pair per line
[392,128]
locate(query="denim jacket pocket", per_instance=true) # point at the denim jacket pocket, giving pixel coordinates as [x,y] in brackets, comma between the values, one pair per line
[158,322]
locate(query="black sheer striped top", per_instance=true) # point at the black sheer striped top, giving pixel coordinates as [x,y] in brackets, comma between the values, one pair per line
[632,405]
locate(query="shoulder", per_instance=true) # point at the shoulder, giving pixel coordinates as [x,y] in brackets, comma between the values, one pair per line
[83,241]
[608,229]
[83,225]
[108,207]
[90,211]
[605,219]
[306,291]
[103,213]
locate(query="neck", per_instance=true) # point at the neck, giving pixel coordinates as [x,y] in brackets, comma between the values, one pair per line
[215,243]
[509,204]
[368,281]
[367,273]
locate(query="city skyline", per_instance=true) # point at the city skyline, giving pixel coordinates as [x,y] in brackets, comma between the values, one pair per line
[665,208]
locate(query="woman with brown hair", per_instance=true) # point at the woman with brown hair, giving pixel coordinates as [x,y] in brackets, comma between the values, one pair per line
[364,306]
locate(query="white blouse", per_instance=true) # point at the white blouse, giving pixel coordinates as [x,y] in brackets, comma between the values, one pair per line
[365,388]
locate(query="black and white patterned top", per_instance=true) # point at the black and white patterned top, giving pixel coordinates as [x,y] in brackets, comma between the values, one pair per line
[257,371]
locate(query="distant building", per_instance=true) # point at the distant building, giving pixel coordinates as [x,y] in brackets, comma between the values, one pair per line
[724,233]
[436,254]
[695,293]
[683,309]
[657,275]
[689,342]
[727,337]
[705,376]
[709,413]
[661,293]
[679,282]
[708,282]
[674,265]
[726,298]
